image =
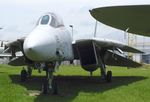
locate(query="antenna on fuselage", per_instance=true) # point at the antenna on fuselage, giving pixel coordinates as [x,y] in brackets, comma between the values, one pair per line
[95,29]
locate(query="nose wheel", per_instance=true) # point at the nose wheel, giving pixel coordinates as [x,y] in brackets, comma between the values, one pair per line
[46,89]
[109,76]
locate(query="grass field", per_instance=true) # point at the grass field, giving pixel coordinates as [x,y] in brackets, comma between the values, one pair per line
[75,85]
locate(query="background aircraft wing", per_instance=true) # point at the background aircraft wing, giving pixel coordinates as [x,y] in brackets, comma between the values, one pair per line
[112,56]
[132,17]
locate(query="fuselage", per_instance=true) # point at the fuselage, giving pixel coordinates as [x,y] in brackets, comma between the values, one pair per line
[49,41]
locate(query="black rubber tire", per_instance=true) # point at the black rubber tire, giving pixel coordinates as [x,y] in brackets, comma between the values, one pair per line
[54,89]
[23,75]
[109,76]
[45,88]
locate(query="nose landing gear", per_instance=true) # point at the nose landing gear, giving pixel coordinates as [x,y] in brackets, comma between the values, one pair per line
[50,88]
[50,85]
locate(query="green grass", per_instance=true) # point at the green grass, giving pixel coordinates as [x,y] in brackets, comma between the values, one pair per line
[75,85]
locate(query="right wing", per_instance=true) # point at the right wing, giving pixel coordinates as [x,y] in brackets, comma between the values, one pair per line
[14,51]
[14,46]
[17,61]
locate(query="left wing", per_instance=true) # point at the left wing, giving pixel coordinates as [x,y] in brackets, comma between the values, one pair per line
[114,59]
[108,44]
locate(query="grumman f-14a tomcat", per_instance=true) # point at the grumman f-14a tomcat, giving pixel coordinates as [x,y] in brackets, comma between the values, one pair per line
[50,43]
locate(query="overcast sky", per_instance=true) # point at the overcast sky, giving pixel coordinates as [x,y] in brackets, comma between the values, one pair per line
[18,17]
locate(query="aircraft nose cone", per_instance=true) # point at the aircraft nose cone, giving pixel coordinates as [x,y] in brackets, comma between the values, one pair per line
[41,44]
[32,50]
[39,47]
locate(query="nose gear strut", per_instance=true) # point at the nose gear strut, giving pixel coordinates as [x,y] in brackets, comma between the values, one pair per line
[50,85]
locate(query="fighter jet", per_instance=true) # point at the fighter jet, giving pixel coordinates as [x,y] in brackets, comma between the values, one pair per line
[133,18]
[50,43]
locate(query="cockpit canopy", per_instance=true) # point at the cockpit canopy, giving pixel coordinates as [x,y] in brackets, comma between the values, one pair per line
[51,19]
